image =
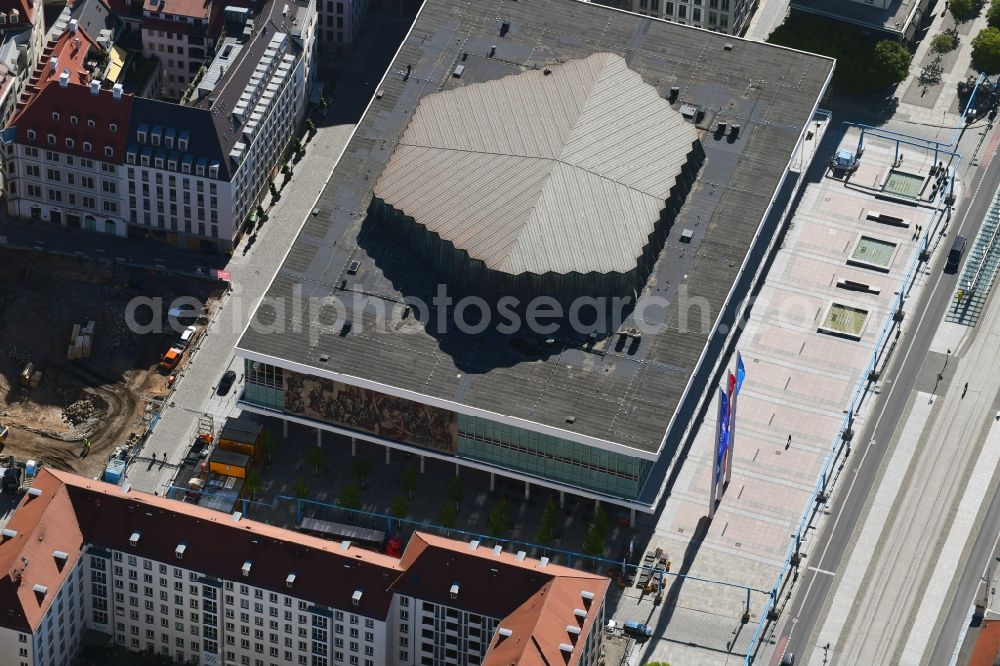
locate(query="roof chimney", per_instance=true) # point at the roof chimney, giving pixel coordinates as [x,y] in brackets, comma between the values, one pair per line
[117,91]
[64,79]
[54,62]
[72,25]
[95,87]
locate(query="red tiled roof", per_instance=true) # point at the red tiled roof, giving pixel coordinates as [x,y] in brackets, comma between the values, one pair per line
[987,648]
[44,96]
[44,524]
[192,8]
[24,7]
[536,603]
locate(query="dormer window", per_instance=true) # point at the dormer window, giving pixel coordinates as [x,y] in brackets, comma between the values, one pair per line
[142,136]
[52,139]
[145,160]
[86,146]
[91,122]
[73,120]
[185,167]
[3,19]
[113,127]
[31,135]
[172,165]
[70,143]
[55,116]
[200,169]
[159,162]
[109,151]
[182,143]
[213,171]
[156,139]
[130,157]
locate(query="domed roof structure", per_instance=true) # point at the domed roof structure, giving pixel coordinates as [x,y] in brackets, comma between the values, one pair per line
[562,171]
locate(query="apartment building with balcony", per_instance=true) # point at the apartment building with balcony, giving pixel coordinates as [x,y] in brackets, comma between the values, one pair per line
[164,577]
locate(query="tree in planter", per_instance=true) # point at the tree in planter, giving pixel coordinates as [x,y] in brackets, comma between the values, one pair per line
[547,526]
[597,533]
[267,444]
[398,507]
[362,470]
[274,189]
[447,517]
[310,126]
[455,491]
[297,146]
[963,10]
[350,497]
[299,488]
[315,459]
[986,51]
[252,483]
[947,42]
[286,171]
[409,481]
[497,522]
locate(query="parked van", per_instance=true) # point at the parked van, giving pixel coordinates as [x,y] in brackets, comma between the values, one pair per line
[955,254]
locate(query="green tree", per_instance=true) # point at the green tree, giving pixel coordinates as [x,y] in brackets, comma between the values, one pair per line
[986,51]
[455,491]
[547,525]
[597,533]
[947,41]
[657,663]
[299,488]
[963,10]
[362,470]
[350,497]
[894,61]
[315,459]
[252,483]
[398,507]
[497,522]
[993,14]
[310,126]
[447,517]
[267,444]
[409,481]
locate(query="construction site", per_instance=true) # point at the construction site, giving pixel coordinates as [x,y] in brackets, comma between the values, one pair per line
[76,381]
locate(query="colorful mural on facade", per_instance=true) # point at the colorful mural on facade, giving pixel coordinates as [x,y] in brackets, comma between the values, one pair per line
[370,411]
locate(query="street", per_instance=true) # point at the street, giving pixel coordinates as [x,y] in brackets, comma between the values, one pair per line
[802,632]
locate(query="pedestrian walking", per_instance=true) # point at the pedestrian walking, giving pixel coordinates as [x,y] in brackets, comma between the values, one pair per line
[788,443]
[965,389]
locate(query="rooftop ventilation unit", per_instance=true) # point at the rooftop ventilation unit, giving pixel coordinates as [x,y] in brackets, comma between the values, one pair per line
[565,647]
[8,533]
[505,632]
[117,91]
[458,71]
[40,589]
[587,596]
[35,492]
[95,87]
[60,555]
[504,28]
[579,612]
[570,629]
[134,539]
[675,92]
[735,131]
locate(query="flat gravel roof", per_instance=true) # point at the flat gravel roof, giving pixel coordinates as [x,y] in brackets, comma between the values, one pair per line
[620,391]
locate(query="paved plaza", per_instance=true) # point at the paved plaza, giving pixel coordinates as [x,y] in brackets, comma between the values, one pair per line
[799,383]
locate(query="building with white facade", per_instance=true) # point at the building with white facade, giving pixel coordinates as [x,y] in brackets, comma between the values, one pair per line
[169,578]
[729,16]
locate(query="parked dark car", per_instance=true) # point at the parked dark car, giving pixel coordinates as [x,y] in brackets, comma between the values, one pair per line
[226,382]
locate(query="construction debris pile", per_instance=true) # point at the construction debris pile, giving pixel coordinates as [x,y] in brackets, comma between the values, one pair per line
[89,408]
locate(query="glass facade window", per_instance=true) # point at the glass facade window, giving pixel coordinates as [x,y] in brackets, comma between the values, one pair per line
[501,445]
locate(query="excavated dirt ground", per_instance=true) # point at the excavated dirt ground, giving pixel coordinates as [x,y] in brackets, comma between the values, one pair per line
[105,397]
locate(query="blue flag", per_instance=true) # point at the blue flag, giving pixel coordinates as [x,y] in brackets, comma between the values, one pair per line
[720,456]
[741,372]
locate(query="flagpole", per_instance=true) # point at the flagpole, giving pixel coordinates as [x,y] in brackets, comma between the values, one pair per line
[715,461]
[732,437]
